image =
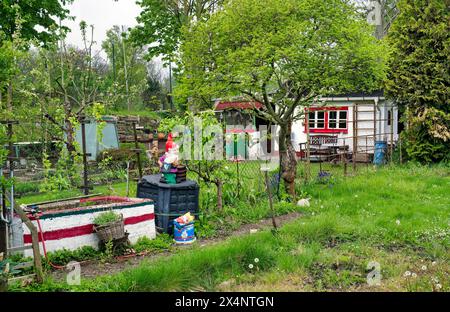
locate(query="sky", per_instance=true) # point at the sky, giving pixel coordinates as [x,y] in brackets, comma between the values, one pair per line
[103,14]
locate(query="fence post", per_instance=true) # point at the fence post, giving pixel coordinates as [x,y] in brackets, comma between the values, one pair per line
[137,150]
[355,138]
[5,215]
[269,192]
[392,134]
[84,155]
[345,159]
[401,152]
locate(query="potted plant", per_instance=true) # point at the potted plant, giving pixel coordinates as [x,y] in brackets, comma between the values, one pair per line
[109,226]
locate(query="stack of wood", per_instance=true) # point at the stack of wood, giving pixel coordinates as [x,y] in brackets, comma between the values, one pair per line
[146,128]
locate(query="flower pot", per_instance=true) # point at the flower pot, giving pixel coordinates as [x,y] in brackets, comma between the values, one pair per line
[111,231]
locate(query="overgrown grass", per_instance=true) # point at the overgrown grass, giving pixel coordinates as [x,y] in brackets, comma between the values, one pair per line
[395,216]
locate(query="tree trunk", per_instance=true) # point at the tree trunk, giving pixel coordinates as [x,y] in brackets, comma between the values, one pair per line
[9,97]
[219,185]
[70,142]
[288,159]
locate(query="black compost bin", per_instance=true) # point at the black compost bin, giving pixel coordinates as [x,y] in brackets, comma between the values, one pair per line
[171,200]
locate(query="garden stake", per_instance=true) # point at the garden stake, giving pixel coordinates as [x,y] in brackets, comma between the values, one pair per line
[274,223]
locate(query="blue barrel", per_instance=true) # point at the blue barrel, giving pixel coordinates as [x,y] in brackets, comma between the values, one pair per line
[183,233]
[380,153]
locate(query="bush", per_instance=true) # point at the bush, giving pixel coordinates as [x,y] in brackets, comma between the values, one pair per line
[27,187]
[161,242]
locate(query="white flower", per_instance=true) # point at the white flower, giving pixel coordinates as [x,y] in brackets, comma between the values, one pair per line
[407,274]
[424,267]
[250,266]
[256,260]
[414,275]
[438,286]
[433,263]
[398,222]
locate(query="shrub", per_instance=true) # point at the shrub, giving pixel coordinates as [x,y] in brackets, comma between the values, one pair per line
[106,218]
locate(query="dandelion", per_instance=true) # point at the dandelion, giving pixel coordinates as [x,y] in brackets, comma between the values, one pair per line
[398,222]
[433,263]
[407,274]
[256,260]
[250,266]
[438,286]
[414,275]
[424,267]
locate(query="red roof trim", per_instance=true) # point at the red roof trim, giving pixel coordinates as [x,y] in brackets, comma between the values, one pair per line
[238,105]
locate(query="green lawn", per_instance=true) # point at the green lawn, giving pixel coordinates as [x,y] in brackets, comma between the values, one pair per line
[395,217]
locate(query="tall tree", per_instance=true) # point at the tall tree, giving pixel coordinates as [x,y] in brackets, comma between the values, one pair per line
[160,23]
[282,53]
[23,23]
[40,19]
[419,76]
[128,69]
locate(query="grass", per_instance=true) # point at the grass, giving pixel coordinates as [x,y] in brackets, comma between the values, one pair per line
[396,217]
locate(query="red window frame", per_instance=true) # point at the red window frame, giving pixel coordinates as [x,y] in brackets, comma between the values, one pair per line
[327,111]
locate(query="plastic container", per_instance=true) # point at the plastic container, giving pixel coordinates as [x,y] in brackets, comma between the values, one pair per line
[184,233]
[171,178]
[171,200]
[380,153]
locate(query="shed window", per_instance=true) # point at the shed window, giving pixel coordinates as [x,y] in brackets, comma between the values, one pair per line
[328,120]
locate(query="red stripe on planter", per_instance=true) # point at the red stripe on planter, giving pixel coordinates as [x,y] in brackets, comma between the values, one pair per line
[83,230]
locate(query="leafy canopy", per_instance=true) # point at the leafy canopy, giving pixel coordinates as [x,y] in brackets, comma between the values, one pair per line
[282,53]
[160,23]
[419,72]
[39,19]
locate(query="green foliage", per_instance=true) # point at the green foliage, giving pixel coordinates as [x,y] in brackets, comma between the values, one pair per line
[40,19]
[63,177]
[106,218]
[419,63]
[161,21]
[64,256]
[419,78]
[27,187]
[293,50]
[427,139]
[201,146]
[128,78]
[160,243]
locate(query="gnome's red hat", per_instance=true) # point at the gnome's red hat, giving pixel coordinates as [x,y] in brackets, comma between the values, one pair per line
[169,143]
